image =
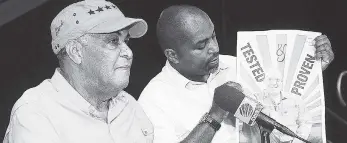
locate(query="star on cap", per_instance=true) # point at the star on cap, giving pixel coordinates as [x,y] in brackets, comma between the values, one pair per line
[107,7]
[91,12]
[99,9]
[57,46]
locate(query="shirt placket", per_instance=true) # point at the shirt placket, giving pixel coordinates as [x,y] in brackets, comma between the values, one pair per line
[93,113]
[116,106]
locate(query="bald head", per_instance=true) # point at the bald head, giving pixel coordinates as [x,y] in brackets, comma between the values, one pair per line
[187,38]
[180,23]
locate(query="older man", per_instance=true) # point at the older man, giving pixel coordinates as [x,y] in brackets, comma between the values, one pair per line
[179,100]
[287,110]
[84,101]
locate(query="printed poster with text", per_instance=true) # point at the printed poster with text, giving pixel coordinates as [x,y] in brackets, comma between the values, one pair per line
[278,69]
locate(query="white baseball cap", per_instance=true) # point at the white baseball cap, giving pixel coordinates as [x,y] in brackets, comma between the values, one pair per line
[91,16]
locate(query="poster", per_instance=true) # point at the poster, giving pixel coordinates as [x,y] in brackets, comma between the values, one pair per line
[278,69]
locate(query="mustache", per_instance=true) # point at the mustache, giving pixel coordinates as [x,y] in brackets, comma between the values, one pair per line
[213,57]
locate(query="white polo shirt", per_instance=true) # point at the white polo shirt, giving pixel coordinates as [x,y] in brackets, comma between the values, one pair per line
[53,112]
[175,104]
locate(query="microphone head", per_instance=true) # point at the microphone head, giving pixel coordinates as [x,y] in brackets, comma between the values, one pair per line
[229,96]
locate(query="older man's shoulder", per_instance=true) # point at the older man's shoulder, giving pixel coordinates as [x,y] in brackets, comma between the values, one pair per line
[34,102]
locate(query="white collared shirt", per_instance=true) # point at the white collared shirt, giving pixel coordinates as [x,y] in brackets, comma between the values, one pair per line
[53,112]
[175,104]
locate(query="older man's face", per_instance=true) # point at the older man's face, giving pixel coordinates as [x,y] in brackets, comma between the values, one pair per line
[198,55]
[274,82]
[107,60]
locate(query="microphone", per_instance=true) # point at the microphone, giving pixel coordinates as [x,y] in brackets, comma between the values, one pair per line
[230,98]
[339,89]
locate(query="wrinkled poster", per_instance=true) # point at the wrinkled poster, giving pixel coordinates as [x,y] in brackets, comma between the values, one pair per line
[278,68]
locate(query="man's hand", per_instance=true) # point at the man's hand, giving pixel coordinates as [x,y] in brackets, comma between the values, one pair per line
[218,113]
[323,50]
[228,96]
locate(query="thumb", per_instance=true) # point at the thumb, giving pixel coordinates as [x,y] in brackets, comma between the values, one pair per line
[235,85]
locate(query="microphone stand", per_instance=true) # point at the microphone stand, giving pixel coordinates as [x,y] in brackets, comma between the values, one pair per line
[265,131]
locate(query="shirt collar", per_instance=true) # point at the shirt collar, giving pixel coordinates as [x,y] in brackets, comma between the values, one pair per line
[67,92]
[184,82]
[277,100]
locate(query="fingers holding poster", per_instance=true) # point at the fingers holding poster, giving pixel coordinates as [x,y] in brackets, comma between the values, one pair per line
[279,70]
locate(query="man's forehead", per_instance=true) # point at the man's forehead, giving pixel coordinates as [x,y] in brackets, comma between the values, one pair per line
[197,27]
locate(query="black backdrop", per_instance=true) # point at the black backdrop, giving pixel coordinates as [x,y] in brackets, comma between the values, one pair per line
[26,57]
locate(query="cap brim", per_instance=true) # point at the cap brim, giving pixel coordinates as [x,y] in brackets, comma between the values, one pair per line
[138,26]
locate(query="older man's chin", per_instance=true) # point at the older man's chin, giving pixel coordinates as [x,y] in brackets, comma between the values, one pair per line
[214,68]
[118,83]
[123,84]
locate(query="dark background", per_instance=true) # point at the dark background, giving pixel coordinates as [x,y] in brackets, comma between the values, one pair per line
[26,58]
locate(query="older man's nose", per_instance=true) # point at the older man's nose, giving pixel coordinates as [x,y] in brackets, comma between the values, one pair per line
[126,52]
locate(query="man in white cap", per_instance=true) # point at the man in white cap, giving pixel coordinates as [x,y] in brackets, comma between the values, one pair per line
[84,101]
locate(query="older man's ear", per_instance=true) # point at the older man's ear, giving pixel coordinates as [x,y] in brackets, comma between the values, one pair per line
[171,55]
[74,51]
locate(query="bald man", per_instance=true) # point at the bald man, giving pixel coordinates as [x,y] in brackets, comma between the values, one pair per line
[179,100]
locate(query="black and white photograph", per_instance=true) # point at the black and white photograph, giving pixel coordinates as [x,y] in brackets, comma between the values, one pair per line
[280,71]
[173,71]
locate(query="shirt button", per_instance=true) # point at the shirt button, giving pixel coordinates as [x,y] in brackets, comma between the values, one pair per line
[145,132]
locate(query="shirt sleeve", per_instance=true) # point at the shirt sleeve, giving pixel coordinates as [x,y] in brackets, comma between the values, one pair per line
[28,125]
[164,130]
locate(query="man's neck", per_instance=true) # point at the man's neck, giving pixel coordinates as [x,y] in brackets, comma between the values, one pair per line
[196,78]
[192,77]
[91,97]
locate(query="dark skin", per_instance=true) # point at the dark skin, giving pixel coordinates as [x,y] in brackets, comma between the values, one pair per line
[191,47]
[186,35]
